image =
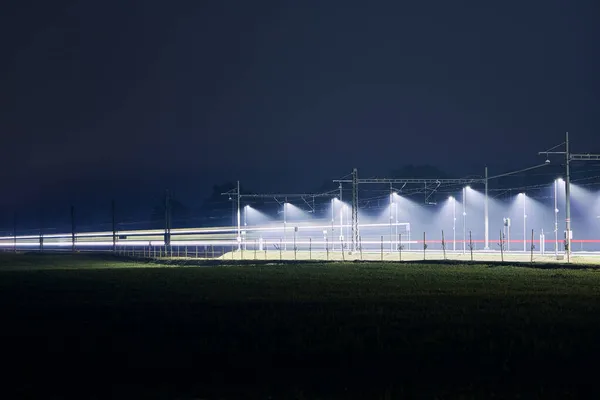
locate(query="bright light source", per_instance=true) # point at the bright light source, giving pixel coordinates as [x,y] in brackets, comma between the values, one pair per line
[451,198]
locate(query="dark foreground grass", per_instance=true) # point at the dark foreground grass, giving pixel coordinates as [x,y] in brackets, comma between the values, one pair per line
[311,331]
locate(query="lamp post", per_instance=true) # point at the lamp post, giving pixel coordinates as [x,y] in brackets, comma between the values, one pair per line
[396,214]
[453,223]
[391,217]
[556,182]
[524,223]
[332,214]
[342,226]
[245,224]
[284,226]
[346,208]
[464,203]
[239,230]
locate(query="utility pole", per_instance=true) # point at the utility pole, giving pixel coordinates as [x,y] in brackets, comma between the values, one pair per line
[568,234]
[568,158]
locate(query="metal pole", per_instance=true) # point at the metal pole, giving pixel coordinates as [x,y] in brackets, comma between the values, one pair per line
[285,225]
[524,224]
[245,225]
[341,226]
[501,246]
[568,200]
[333,217]
[239,229]
[464,203]
[443,244]
[453,224]
[471,245]
[532,245]
[400,247]
[391,217]
[555,218]
[355,225]
[486,212]
[396,213]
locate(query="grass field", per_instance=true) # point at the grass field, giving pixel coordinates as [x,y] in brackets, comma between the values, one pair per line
[100,326]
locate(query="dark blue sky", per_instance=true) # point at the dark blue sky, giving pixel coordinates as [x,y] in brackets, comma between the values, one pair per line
[125,98]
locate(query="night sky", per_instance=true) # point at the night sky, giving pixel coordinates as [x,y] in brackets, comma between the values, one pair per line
[122,99]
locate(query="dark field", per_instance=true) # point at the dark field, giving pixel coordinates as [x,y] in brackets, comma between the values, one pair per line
[105,328]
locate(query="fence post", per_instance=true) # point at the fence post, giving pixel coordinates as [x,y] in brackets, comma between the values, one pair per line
[254,249]
[280,253]
[424,245]
[342,248]
[501,246]
[382,248]
[532,246]
[443,245]
[310,249]
[360,247]
[400,247]
[327,247]
[471,245]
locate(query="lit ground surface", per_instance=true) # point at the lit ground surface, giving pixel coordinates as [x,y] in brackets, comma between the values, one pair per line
[85,326]
[576,258]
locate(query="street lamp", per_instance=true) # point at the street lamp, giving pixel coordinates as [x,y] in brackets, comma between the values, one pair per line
[396,214]
[245,224]
[332,214]
[464,203]
[391,218]
[453,223]
[342,208]
[284,226]
[524,222]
